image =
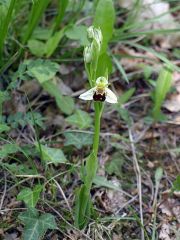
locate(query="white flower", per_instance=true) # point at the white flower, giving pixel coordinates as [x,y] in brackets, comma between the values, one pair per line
[100,92]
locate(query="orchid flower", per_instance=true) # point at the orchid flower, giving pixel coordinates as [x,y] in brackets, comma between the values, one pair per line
[100,92]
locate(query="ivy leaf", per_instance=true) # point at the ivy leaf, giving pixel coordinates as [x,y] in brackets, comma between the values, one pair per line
[36,225]
[78,139]
[52,155]
[80,119]
[30,197]
[42,70]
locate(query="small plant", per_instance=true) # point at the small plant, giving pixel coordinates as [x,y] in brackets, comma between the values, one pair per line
[99,93]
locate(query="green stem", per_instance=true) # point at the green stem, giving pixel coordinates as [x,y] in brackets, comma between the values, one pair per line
[97,107]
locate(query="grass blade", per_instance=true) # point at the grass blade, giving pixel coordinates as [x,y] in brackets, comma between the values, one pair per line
[4,26]
[37,10]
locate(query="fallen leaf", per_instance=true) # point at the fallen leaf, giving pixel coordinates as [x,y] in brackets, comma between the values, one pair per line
[164,233]
[173,103]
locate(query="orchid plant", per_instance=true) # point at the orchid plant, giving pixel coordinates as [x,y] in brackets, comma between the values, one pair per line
[98,93]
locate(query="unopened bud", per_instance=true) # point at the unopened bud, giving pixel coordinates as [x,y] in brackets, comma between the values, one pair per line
[88,54]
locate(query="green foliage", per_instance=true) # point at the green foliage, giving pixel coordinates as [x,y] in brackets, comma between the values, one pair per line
[36,47]
[104,18]
[80,119]
[163,85]
[124,114]
[42,70]
[91,168]
[51,155]
[4,128]
[30,196]
[6,13]
[100,181]
[19,169]
[77,33]
[65,103]
[176,184]
[158,175]
[8,149]
[36,225]
[82,207]
[21,119]
[62,6]
[78,139]
[37,10]
[53,42]
[120,68]
[104,65]
[126,96]
[114,166]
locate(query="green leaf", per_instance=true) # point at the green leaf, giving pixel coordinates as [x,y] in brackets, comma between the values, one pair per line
[83,207]
[80,119]
[78,33]
[65,103]
[120,68]
[19,169]
[158,175]
[114,166]
[53,42]
[8,149]
[176,184]
[36,47]
[91,168]
[52,155]
[30,197]
[104,65]
[4,128]
[42,70]
[163,85]
[103,182]
[78,139]
[41,33]
[35,225]
[104,18]
[126,96]
[124,114]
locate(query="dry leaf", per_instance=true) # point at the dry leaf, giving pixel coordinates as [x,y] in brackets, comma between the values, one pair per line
[152,9]
[173,104]
[164,233]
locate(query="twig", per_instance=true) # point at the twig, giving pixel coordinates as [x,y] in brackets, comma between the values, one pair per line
[69,224]
[61,191]
[139,183]
[4,192]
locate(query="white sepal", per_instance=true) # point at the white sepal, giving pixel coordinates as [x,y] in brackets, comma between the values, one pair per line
[88,95]
[110,96]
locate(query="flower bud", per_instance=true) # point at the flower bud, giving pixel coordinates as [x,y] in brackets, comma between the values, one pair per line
[96,35]
[88,54]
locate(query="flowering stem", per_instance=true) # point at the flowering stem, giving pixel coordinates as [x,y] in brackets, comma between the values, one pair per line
[97,107]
